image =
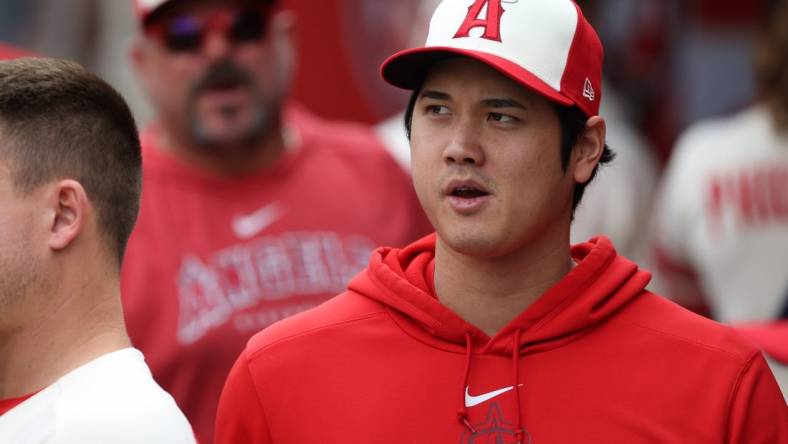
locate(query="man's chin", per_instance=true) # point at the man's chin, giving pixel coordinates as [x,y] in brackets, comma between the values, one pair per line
[227,142]
[229,136]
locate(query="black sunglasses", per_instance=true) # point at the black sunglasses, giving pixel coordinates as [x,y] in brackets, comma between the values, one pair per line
[186,33]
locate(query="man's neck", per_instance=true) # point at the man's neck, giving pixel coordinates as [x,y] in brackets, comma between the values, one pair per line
[489,293]
[59,339]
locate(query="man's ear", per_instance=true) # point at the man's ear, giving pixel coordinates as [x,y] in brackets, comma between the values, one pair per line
[140,57]
[282,39]
[70,210]
[283,25]
[136,53]
[588,149]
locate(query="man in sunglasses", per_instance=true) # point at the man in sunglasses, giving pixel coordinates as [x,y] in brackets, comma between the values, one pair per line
[253,209]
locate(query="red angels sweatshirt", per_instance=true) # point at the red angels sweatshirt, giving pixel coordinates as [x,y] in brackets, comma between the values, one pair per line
[597,359]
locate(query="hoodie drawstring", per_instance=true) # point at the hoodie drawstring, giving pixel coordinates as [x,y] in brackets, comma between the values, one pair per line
[516,364]
[462,413]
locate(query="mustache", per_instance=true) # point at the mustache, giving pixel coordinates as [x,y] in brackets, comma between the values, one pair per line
[222,74]
[464,172]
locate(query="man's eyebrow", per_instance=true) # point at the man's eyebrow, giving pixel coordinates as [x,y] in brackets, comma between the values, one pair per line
[502,103]
[491,103]
[430,94]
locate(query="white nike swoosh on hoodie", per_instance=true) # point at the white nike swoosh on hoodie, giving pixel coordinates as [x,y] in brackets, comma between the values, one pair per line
[471,401]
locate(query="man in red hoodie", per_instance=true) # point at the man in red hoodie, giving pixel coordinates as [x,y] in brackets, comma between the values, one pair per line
[494,329]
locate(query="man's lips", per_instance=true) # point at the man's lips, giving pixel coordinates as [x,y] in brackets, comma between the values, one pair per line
[466,197]
[465,189]
[227,89]
[223,84]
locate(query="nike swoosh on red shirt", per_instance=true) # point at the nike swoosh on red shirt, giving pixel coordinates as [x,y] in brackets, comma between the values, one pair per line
[252,224]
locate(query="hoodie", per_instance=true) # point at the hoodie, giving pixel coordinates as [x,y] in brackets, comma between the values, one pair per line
[597,358]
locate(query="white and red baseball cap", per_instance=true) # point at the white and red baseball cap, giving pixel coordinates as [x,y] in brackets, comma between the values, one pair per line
[545,45]
[144,8]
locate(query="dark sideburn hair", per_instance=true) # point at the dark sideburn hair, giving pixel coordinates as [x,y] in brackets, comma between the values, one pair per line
[59,121]
[572,121]
[771,62]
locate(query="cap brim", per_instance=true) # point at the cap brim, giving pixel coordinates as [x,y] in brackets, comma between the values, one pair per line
[147,14]
[407,69]
[10,52]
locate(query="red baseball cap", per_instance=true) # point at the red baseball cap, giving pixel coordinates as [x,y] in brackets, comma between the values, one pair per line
[8,52]
[545,45]
[145,8]
[772,338]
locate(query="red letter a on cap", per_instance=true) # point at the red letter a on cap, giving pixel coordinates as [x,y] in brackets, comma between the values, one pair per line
[491,23]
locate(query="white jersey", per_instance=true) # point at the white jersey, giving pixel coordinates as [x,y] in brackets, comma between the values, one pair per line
[723,213]
[112,399]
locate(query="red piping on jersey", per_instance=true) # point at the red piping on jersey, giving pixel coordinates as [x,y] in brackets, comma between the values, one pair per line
[7,404]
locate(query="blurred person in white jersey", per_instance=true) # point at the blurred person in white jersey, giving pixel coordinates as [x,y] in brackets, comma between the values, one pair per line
[722,212]
[721,232]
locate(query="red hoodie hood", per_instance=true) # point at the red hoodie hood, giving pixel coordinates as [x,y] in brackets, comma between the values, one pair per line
[600,283]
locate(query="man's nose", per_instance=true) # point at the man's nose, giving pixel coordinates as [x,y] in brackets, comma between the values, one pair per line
[216,45]
[464,147]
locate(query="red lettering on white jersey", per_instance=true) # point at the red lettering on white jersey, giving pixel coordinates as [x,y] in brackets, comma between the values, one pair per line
[754,196]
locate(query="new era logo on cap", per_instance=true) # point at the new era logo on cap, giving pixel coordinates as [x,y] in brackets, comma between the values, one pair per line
[588,90]
[546,45]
